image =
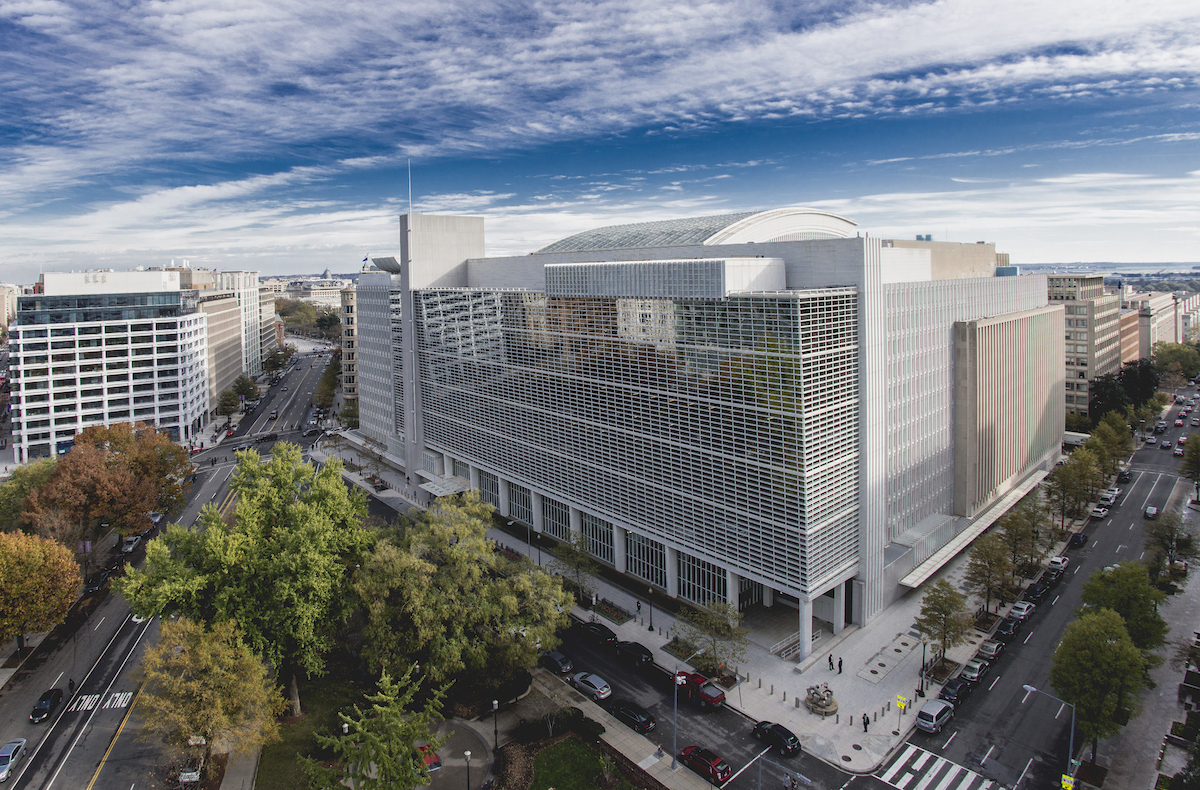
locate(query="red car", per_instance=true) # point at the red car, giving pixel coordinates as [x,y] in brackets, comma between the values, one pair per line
[1178,423]
[707,764]
[699,690]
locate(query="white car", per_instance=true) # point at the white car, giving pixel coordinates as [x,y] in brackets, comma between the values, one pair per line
[130,543]
[1058,563]
[593,686]
[1099,512]
[10,755]
[1113,492]
[1023,610]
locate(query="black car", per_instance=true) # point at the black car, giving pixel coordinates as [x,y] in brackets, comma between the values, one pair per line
[556,662]
[95,582]
[1037,590]
[632,715]
[600,634]
[783,739]
[46,705]
[1125,476]
[635,653]
[1053,576]
[1077,539]
[955,691]
[1007,630]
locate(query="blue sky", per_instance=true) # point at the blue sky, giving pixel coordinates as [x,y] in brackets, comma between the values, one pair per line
[275,135]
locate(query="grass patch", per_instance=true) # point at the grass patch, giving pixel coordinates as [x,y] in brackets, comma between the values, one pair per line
[321,698]
[570,765]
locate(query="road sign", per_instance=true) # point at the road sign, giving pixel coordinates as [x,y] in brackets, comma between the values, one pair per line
[901,702]
[1068,782]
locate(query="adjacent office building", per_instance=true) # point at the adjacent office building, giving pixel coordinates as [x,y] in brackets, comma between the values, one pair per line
[1092,333]
[244,286]
[349,375]
[104,347]
[765,407]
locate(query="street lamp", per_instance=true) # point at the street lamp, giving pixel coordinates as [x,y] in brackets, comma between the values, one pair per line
[921,688]
[467,754]
[650,600]
[675,726]
[1071,754]
[495,726]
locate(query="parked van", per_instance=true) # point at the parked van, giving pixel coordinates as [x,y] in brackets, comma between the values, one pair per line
[934,715]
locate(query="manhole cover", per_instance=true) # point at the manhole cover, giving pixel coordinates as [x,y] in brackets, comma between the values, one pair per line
[845,758]
[896,649]
[856,748]
[874,671]
[881,664]
[904,643]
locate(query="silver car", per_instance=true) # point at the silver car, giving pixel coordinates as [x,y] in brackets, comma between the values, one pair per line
[934,714]
[593,686]
[10,755]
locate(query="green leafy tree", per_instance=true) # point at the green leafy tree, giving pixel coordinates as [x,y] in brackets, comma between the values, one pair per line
[15,491]
[573,558]
[281,569]
[1126,590]
[207,682]
[1179,360]
[436,592]
[944,619]
[381,750]
[1091,473]
[39,581]
[1024,531]
[227,403]
[296,314]
[717,628]
[1190,466]
[1094,666]
[1140,381]
[989,567]
[349,414]
[1078,423]
[1171,537]
[275,361]
[1122,443]
[1107,395]
[244,387]
[329,323]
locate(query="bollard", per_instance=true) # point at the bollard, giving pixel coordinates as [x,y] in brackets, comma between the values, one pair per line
[772,689]
[875,717]
[837,718]
[760,682]
[889,706]
[797,701]
[785,696]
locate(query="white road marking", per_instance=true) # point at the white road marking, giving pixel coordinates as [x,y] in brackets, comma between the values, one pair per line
[953,735]
[994,682]
[1026,640]
[55,683]
[98,624]
[989,754]
[1061,708]
[1055,600]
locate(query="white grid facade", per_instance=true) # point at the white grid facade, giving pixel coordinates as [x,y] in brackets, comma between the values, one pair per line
[377,334]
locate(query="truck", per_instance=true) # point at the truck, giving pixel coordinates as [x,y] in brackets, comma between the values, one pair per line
[699,690]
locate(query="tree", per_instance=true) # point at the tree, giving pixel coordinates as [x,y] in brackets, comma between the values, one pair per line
[349,414]
[1122,443]
[207,682]
[944,619]
[1107,395]
[329,323]
[1190,466]
[1176,359]
[274,361]
[245,388]
[1171,537]
[1126,590]
[148,454]
[380,749]
[574,557]
[1024,532]
[1094,665]
[38,583]
[1139,380]
[436,591]
[281,569]
[227,403]
[717,628]
[15,491]
[989,567]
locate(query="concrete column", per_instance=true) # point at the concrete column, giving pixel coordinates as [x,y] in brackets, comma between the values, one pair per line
[474,478]
[806,632]
[618,539]
[768,596]
[539,521]
[672,572]
[839,608]
[576,522]
[733,586]
[504,490]
[447,465]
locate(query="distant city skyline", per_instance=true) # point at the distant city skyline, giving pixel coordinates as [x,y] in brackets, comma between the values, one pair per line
[277,137]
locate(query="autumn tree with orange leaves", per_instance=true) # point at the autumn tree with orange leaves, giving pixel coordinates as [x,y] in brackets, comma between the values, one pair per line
[38,583]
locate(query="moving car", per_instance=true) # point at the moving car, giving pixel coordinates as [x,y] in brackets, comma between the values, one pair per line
[591,685]
[635,653]
[46,705]
[632,715]
[1179,452]
[955,690]
[10,755]
[974,670]
[1023,610]
[598,633]
[1058,563]
[1151,512]
[934,715]
[1179,423]
[1165,444]
[555,661]
[784,740]
[707,764]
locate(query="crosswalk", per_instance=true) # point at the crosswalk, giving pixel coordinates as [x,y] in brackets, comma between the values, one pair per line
[913,768]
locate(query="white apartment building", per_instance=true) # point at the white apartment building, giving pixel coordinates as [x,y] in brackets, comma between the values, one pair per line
[1092,333]
[104,347]
[244,286]
[766,407]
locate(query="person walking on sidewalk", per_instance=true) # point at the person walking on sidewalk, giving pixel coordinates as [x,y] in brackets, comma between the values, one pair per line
[839,665]
[831,662]
[866,721]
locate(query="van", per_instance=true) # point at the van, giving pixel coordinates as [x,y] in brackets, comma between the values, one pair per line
[934,715]
[274,414]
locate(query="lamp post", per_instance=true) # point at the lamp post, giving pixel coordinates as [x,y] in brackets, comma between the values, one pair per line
[921,687]
[495,726]
[675,725]
[467,754]
[649,600]
[1071,754]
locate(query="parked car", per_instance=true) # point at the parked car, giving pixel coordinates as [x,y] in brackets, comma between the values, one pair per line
[95,582]
[632,715]
[1007,629]
[592,685]
[955,690]
[784,740]
[192,771]
[1114,491]
[46,705]
[1099,512]
[934,715]
[598,633]
[974,670]
[699,690]
[10,755]
[1037,590]
[1125,476]
[130,543]
[1058,563]
[635,653]
[1151,512]
[430,758]
[1053,576]
[991,649]
[555,661]
[1023,610]
[1077,540]
[707,764]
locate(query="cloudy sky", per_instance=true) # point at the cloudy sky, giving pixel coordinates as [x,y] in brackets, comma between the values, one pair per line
[276,135]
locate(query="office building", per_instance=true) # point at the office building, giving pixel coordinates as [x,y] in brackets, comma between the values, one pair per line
[1092,333]
[349,375]
[768,407]
[104,347]
[266,323]
[244,286]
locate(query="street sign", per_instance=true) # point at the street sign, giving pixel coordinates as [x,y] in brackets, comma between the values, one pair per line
[1068,782]
[901,702]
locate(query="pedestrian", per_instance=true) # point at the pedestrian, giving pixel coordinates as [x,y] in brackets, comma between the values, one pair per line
[866,721]
[639,607]
[71,686]
[839,665]
[831,662]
